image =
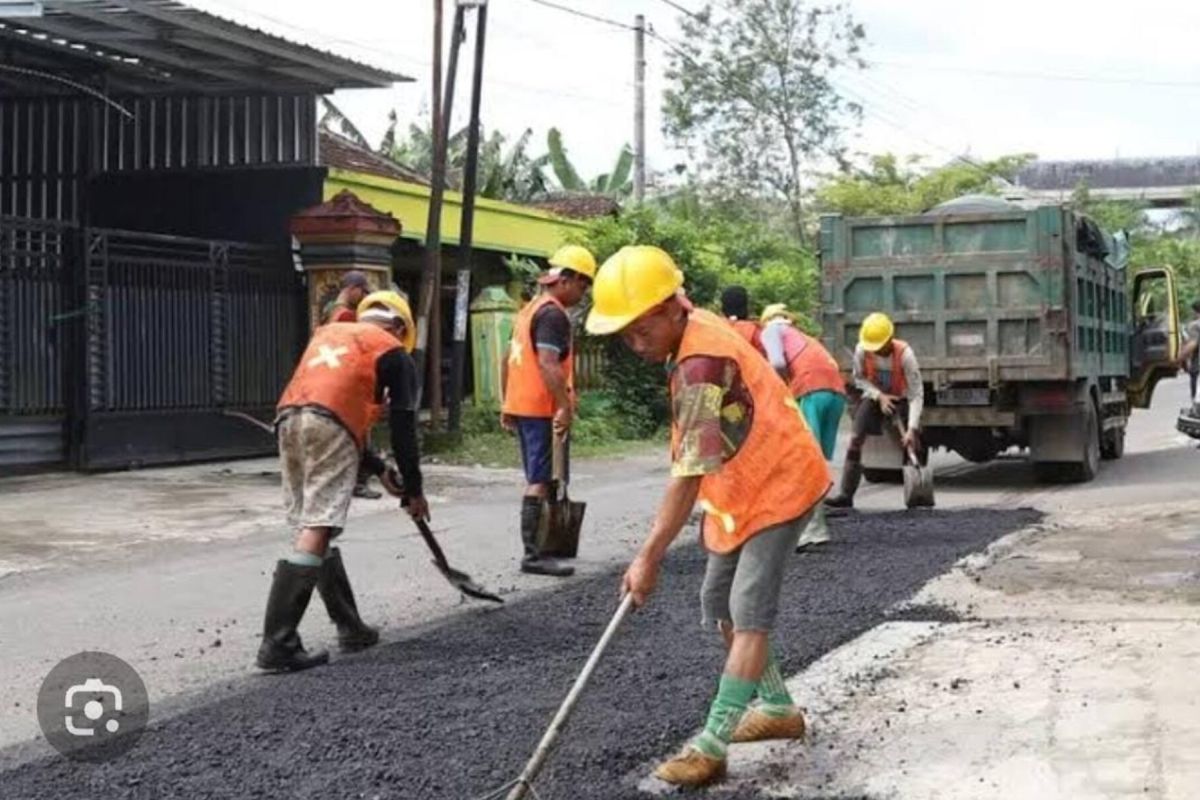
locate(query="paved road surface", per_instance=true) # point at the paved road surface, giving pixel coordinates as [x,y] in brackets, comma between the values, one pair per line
[164,604]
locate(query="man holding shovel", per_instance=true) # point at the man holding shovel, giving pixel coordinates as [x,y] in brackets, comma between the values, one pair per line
[539,390]
[741,448]
[888,375]
[323,419]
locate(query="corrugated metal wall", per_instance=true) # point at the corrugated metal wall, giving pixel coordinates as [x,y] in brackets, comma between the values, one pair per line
[48,146]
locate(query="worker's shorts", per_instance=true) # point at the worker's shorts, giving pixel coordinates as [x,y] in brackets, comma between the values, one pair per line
[869,420]
[319,461]
[743,587]
[536,436]
[823,411]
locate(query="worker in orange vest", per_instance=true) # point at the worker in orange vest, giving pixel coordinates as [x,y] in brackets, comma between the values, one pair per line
[815,381]
[888,375]
[740,447]
[323,418]
[539,389]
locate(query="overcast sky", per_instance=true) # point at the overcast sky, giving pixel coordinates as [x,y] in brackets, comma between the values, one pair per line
[946,76]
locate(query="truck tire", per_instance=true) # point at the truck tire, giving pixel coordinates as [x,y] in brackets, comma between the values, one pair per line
[1113,445]
[1080,471]
[884,475]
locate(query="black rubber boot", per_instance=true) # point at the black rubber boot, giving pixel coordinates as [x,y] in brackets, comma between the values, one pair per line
[533,562]
[851,477]
[282,650]
[361,488]
[334,586]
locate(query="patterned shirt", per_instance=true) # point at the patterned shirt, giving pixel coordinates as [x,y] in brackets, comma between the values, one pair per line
[711,412]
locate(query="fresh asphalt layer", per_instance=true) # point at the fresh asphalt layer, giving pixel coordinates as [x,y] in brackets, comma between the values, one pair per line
[454,710]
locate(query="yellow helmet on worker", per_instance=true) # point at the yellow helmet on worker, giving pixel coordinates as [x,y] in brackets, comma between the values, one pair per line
[631,282]
[395,303]
[776,311]
[573,257]
[876,331]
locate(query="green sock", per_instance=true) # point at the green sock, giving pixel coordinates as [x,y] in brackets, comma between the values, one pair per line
[733,695]
[774,698]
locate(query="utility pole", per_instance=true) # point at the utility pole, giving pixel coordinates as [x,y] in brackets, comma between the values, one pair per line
[639,108]
[431,279]
[462,293]
[431,267]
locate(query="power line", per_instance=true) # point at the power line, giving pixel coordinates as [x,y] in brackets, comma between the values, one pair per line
[583,14]
[683,10]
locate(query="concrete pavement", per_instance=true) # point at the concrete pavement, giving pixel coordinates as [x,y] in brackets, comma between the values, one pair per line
[1070,672]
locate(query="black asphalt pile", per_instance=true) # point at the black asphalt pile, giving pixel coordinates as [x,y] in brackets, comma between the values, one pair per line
[452,711]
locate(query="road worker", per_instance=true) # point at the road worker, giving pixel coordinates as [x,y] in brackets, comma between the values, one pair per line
[539,390]
[888,375]
[735,305]
[344,308]
[813,377]
[323,417]
[741,448]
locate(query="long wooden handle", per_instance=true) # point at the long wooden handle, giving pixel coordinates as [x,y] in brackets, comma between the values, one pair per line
[564,711]
[558,458]
[427,535]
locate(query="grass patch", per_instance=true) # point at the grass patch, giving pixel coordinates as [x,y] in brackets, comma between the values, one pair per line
[597,433]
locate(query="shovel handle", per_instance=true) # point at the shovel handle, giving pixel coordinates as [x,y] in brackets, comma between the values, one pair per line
[558,459]
[435,548]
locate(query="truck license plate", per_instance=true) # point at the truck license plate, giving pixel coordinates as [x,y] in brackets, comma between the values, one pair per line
[964,397]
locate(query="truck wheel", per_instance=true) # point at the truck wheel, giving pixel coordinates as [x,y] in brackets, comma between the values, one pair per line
[1113,446]
[1086,469]
[884,475]
[1080,471]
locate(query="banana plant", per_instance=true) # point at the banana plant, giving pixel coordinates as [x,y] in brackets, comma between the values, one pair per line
[615,183]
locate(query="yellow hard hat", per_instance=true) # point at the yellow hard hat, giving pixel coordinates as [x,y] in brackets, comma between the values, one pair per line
[774,311]
[573,257]
[632,281]
[394,302]
[876,332]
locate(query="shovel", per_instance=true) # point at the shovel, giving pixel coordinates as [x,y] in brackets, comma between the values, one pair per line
[459,580]
[918,480]
[558,535]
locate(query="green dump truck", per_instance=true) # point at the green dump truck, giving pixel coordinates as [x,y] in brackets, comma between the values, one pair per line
[1029,331]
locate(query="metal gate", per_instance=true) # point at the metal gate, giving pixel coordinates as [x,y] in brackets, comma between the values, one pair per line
[34,265]
[121,348]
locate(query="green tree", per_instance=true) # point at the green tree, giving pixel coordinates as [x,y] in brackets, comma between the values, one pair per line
[891,185]
[751,86]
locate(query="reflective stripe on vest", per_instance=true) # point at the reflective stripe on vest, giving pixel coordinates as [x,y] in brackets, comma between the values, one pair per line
[779,473]
[337,372]
[897,381]
[526,394]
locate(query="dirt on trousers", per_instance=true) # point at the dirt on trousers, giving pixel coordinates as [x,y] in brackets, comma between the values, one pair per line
[455,710]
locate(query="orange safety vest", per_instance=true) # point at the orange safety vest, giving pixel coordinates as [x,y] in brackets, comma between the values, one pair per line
[779,473]
[897,382]
[812,369]
[751,331]
[525,394]
[337,373]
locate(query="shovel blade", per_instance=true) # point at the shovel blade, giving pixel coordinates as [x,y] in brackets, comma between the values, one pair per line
[462,581]
[918,487]
[559,534]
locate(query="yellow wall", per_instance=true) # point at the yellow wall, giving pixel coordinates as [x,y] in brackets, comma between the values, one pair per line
[503,227]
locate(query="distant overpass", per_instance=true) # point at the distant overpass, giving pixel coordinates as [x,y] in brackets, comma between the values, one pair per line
[1168,182]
